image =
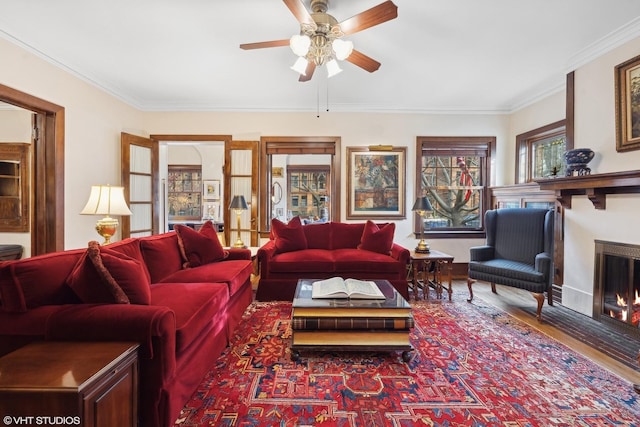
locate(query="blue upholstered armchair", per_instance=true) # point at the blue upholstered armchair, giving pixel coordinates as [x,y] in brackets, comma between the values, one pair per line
[518,252]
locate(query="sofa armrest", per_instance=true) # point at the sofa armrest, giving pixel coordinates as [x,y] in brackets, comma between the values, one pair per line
[154,327]
[400,253]
[543,264]
[238,253]
[481,253]
[265,253]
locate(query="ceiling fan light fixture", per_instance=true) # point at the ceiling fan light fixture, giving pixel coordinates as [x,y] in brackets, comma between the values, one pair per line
[342,48]
[300,66]
[333,68]
[299,44]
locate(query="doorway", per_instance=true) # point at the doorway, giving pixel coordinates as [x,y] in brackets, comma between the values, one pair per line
[47,176]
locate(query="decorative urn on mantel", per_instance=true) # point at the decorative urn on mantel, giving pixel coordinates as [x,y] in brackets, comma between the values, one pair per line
[577,160]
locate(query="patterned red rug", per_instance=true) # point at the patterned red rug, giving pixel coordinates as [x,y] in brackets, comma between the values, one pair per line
[473,365]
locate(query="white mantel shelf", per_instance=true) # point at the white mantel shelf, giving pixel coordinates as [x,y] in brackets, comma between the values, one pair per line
[595,187]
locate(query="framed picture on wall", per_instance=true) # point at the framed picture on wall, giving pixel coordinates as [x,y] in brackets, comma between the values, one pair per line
[211,189]
[211,210]
[627,88]
[376,183]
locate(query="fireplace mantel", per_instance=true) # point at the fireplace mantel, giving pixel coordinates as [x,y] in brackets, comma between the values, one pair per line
[595,187]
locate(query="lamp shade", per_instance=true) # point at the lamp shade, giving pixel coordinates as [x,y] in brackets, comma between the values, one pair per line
[422,204]
[299,44]
[106,200]
[300,66]
[333,68]
[342,48]
[238,202]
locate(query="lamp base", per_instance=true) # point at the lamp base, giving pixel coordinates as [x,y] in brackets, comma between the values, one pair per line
[239,244]
[107,227]
[422,248]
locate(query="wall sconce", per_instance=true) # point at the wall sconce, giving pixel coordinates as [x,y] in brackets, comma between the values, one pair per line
[106,200]
[422,207]
[238,204]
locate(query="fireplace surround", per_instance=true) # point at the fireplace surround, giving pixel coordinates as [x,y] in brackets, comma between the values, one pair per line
[616,296]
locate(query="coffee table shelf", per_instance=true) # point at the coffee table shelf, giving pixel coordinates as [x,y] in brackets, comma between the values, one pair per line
[394,312]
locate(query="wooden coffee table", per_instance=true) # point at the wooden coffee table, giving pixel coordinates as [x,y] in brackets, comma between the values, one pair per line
[350,324]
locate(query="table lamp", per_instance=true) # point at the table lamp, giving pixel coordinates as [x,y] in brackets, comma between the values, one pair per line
[106,200]
[238,204]
[422,207]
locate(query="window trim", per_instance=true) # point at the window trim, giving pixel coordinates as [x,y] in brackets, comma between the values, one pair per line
[528,138]
[463,144]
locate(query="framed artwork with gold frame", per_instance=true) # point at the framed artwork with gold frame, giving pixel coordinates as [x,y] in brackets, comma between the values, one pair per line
[627,88]
[376,183]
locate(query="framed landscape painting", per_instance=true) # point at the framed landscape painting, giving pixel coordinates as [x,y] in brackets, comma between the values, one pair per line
[376,183]
[627,88]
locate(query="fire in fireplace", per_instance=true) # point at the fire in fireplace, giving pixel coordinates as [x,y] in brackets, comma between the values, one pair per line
[616,296]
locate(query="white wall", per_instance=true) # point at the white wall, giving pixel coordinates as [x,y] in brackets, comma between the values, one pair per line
[355,129]
[93,123]
[595,129]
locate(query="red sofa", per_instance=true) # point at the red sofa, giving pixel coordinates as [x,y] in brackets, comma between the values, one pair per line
[323,250]
[182,317]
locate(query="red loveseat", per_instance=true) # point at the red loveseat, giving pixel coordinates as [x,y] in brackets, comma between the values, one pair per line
[323,250]
[182,317]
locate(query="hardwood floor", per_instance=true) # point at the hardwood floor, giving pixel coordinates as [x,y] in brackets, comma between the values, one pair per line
[521,305]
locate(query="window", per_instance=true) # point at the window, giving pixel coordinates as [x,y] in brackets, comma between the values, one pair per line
[540,153]
[454,176]
[184,196]
[307,191]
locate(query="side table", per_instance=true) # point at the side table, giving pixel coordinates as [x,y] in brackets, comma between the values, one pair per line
[87,384]
[434,263]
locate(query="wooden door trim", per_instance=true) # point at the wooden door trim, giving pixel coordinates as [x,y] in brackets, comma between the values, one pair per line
[47,188]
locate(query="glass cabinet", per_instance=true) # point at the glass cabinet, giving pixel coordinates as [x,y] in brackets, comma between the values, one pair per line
[14,195]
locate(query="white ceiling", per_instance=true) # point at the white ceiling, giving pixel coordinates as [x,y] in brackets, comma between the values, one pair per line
[438,56]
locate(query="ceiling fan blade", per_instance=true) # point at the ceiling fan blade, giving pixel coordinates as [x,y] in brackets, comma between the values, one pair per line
[261,45]
[376,15]
[299,11]
[363,61]
[311,67]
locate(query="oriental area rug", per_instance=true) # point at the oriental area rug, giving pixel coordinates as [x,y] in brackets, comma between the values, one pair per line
[472,365]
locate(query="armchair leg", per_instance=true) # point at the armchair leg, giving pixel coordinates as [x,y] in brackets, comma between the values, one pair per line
[469,283]
[540,299]
[493,288]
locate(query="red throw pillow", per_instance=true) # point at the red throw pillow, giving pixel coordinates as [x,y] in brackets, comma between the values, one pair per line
[105,276]
[199,247]
[289,237]
[376,239]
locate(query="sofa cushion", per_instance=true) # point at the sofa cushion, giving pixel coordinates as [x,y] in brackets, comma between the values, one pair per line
[36,281]
[199,247]
[345,235]
[195,305]
[508,268]
[234,273]
[106,276]
[131,248]
[365,262]
[318,235]
[289,237]
[377,239]
[304,261]
[161,255]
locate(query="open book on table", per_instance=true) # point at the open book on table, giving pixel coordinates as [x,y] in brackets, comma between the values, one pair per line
[337,287]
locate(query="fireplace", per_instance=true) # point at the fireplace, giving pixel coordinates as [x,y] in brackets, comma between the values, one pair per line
[616,296]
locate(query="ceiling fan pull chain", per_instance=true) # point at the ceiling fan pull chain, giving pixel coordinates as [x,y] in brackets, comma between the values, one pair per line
[317,99]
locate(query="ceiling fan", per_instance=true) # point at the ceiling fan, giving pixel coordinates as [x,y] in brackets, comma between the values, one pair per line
[320,39]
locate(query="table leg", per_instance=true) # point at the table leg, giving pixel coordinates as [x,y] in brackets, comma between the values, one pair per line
[449,268]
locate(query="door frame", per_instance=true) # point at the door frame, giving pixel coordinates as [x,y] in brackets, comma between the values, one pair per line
[47,176]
